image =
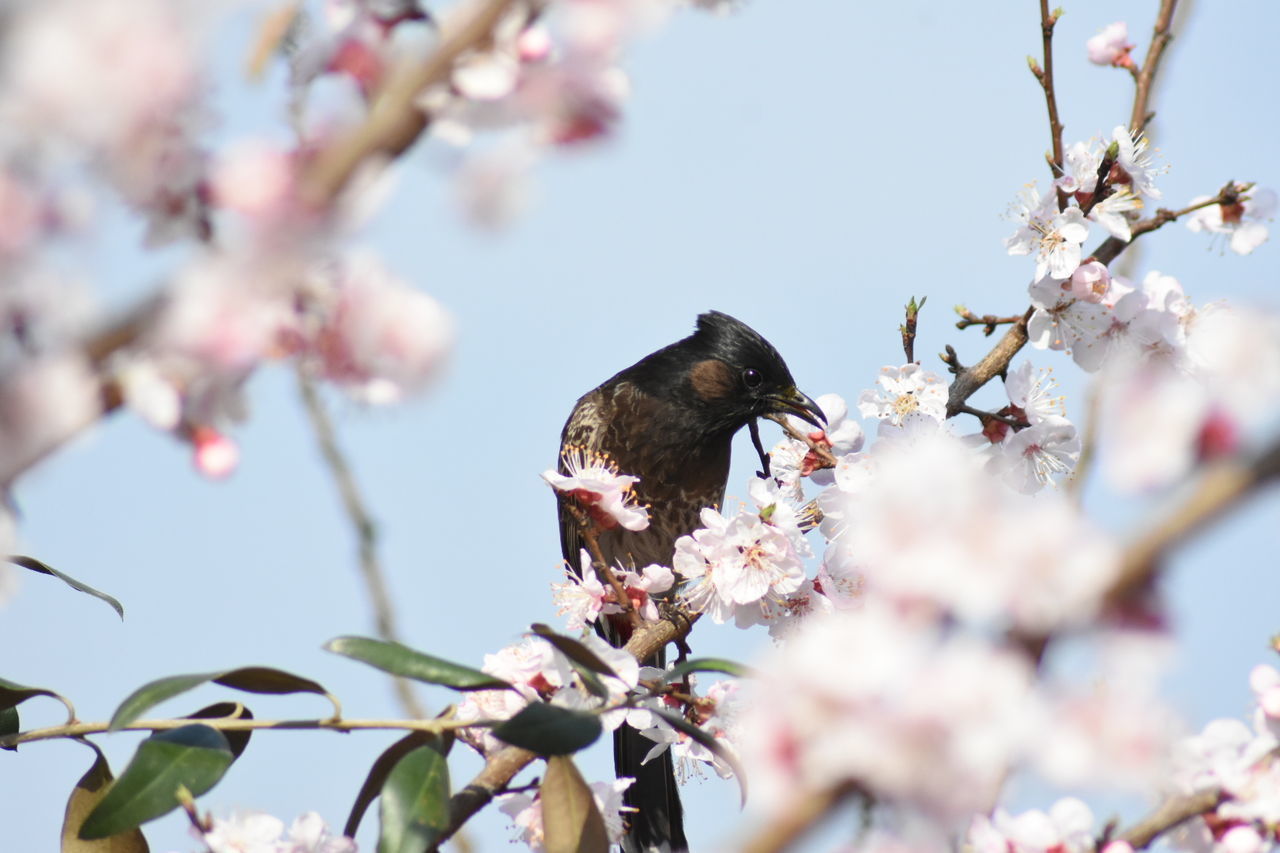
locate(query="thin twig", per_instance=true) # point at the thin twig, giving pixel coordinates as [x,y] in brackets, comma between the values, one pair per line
[1111,247]
[603,570]
[235,724]
[818,449]
[366,531]
[987,321]
[1045,75]
[1160,38]
[982,415]
[908,328]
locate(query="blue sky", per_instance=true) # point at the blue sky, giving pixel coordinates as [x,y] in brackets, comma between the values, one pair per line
[805,166]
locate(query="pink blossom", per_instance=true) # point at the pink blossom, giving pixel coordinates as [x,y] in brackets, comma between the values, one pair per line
[1242,223]
[911,715]
[1067,828]
[216,455]
[582,598]
[525,811]
[594,482]
[1053,236]
[1111,46]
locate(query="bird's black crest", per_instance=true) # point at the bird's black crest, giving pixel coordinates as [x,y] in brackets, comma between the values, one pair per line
[733,341]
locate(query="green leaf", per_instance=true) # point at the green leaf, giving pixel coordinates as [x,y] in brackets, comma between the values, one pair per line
[12,695]
[43,568]
[86,795]
[401,660]
[549,729]
[10,724]
[414,805]
[194,757]
[251,679]
[574,650]
[708,740]
[727,667]
[571,821]
[378,773]
[237,740]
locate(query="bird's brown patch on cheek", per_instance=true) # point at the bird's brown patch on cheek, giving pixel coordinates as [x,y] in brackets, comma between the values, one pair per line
[711,379]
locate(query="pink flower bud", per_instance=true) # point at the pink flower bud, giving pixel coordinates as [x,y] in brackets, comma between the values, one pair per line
[216,455]
[1111,46]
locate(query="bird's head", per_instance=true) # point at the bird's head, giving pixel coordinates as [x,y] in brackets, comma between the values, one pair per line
[727,375]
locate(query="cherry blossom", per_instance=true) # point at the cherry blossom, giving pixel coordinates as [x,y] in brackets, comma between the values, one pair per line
[257,832]
[912,716]
[525,811]
[926,524]
[905,391]
[736,563]
[1067,828]
[1031,392]
[1242,222]
[1053,236]
[1034,457]
[1134,164]
[582,598]
[594,482]
[1111,46]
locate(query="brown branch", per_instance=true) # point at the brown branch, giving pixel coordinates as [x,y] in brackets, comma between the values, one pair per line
[1109,249]
[502,766]
[801,814]
[983,415]
[1160,38]
[987,321]
[1045,75]
[996,362]
[1220,487]
[1171,814]
[366,531]
[603,571]
[395,120]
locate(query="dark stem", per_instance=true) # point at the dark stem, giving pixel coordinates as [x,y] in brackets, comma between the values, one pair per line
[1160,38]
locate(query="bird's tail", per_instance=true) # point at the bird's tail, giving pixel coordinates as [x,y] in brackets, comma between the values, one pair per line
[657,822]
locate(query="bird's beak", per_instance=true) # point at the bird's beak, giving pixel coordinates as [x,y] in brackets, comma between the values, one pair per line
[793,401]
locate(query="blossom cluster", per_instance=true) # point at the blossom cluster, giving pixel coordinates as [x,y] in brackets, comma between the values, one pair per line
[257,832]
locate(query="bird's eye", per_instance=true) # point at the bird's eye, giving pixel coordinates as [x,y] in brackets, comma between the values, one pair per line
[752,377]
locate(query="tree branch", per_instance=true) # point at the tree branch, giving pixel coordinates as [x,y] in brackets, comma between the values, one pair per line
[1220,487]
[375,581]
[996,362]
[1160,38]
[1048,20]
[1109,249]
[987,321]
[230,724]
[395,120]
[1171,814]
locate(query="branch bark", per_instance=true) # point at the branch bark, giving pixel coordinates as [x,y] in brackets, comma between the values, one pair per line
[1160,38]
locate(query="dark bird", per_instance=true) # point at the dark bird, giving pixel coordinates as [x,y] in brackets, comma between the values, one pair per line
[669,419]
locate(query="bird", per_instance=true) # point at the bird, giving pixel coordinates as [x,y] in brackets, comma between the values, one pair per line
[669,419]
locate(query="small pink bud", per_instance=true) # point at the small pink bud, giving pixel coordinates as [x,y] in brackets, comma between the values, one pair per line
[216,455]
[533,45]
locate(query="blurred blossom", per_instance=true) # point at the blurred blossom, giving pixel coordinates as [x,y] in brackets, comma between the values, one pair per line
[926,524]
[1241,223]
[44,403]
[1067,828]
[1035,457]
[1111,46]
[257,832]
[216,455]
[914,716]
